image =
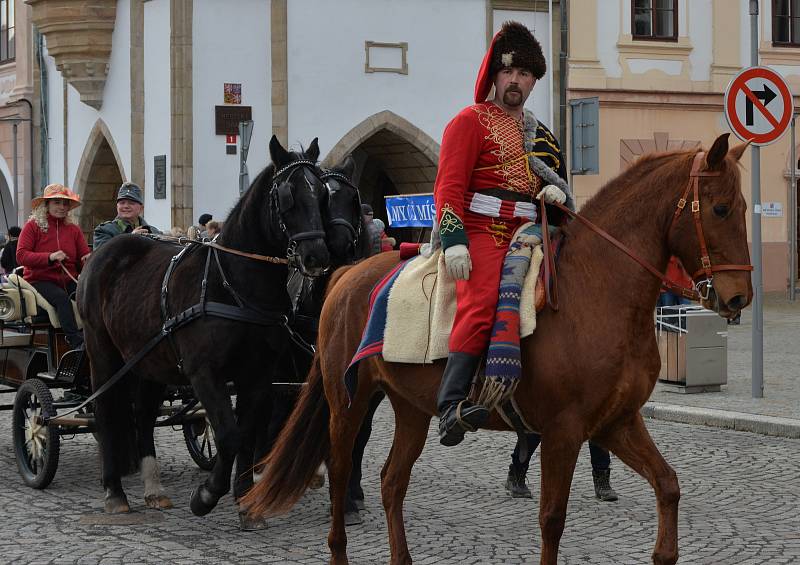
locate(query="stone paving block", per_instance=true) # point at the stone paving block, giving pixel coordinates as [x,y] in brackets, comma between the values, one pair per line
[740,495]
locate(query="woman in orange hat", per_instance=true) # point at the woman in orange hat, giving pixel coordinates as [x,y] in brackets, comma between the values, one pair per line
[52,249]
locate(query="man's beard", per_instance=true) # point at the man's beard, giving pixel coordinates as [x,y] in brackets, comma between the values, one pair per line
[513,98]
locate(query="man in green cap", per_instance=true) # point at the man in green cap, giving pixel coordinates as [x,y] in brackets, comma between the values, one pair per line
[129,216]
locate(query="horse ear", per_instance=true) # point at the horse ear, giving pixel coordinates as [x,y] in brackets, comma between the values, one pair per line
[277,153]
[716,155]
[348,166]
[737,151]
[313,150]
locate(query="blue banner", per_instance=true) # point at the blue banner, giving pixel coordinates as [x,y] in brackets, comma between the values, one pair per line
[412,211]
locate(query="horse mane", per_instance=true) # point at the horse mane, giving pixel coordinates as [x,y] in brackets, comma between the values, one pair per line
[248,211]
[653,176]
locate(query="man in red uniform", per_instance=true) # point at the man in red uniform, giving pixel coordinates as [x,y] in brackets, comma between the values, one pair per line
[497,164]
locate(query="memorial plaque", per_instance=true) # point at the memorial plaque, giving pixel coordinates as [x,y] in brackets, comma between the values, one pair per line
[227,118]
[160,177]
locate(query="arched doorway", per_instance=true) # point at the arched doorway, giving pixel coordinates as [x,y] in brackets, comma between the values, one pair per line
[392,157]
[100,175]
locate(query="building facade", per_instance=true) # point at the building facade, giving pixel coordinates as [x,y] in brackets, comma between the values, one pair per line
[153,93]
[18,113]
[651,74]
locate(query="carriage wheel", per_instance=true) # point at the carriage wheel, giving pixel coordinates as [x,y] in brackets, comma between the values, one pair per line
[199,437]
[37,446]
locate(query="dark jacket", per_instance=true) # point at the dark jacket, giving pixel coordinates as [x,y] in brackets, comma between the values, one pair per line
[117,226]
[8,258]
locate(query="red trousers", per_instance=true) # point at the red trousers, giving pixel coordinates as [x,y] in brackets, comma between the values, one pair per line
[476,298]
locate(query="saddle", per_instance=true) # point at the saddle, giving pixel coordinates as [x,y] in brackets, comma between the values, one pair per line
[422,305]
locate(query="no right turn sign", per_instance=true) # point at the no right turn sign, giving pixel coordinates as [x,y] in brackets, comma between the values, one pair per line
[758,105]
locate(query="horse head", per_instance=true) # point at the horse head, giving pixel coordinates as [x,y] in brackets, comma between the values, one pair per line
[712,242]
[296,200]
[344,223]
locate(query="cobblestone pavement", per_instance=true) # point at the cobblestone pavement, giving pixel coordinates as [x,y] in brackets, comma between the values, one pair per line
[740,495]
[781,366]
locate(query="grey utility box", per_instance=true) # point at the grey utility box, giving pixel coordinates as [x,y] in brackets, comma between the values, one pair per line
[693,344]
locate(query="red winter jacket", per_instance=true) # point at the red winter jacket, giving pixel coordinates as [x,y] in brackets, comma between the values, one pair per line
[35,246]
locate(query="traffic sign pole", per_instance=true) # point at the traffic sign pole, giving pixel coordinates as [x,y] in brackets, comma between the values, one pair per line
[757,383]
[792,214]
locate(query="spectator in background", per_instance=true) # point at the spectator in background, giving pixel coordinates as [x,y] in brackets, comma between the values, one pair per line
[387,243]
[199,231]
[177,232]
[8,258]
[213,228]
[373,228]
[130,204]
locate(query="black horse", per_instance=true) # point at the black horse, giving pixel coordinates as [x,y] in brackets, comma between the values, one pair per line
[348,242]
[230,305]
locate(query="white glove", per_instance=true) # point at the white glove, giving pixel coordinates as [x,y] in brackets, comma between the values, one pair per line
[551,193]
[457,261]
[529,239]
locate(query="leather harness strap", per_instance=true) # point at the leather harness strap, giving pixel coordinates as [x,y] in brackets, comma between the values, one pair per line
[707,268]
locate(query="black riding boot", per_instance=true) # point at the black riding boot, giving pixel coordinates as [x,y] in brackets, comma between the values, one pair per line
[516,484]
[457,415]
[602,485]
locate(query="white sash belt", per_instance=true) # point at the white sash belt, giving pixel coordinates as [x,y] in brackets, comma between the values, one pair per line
[490,206]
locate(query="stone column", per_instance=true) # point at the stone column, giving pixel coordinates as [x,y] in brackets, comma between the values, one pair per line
[181,104]
[137,93]
[280,69]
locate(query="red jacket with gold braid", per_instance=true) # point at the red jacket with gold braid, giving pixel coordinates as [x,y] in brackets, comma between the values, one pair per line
[485,167]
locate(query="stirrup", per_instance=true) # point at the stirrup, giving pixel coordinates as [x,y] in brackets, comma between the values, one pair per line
[466,426]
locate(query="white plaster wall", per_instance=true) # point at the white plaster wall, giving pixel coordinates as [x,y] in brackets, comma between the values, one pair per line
[668,67]
[157,111]
[233,49]
[540,100]
[116,109]
[55,121]
[329,92]
[609,21]
[700,19]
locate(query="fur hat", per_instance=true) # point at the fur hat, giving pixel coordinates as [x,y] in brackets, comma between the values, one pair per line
[513,46]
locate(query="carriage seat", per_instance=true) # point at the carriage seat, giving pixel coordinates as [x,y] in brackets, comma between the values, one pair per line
[34,302]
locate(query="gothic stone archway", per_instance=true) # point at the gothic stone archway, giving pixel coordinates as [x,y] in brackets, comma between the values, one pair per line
[100,175]
[393,157]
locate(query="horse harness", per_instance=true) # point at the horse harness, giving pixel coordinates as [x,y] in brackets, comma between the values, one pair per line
[707,269]
[242,312]
[355,231]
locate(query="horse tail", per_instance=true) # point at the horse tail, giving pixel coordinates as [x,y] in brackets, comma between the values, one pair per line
[301,447]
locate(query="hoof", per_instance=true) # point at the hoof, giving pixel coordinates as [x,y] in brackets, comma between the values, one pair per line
[157,501]
[116,505]
[352,519]
[203,501]
[248,524]
[317,482]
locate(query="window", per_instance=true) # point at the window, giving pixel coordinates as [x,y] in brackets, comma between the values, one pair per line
[584,114]
[7,50]
[654,19]
[786,22]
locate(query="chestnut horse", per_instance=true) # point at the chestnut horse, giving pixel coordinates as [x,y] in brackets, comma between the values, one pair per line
[587,370]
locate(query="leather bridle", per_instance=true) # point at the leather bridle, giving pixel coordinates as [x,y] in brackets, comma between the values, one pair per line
[355,231]
[707,269]
[275,202]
